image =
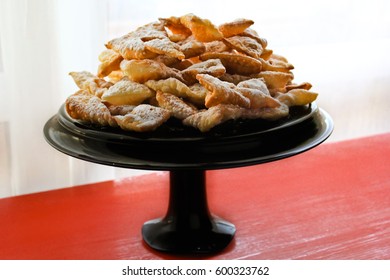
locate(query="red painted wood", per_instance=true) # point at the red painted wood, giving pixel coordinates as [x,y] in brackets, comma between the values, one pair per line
[332,202]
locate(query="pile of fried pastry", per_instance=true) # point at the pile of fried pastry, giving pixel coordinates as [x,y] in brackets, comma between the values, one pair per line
[190,69]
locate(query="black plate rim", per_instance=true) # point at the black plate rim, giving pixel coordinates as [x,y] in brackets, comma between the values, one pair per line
[84,130]
[322,118]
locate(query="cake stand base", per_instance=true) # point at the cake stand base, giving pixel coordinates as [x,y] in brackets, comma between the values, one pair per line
[188,226]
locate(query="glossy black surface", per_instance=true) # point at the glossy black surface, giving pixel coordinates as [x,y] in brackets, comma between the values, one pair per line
[173,146]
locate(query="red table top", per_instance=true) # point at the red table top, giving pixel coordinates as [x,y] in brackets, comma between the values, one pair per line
[332,202]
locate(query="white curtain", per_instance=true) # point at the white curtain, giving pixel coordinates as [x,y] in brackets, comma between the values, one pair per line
[41,41]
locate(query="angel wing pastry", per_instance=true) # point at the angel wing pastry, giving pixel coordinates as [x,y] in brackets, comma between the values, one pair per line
[221,92]
[86,107]
[143,118]
[207,119]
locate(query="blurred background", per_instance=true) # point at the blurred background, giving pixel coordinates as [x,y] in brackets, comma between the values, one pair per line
[341,47]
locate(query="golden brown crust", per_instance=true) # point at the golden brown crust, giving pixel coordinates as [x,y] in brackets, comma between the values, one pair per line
[270,114]
[192,48]
[178,108]
[258,94]
[143,70]
[166,47]
[253,34]
[127,92]
[88,81]
[86,107]
[235,27]
[143,118]
[207,119]
[304,85]
[110,61]
[276,80]
[176,27]
[221,92]
[177,88]
[213,67]
[216,46]
[297,97]
[130,47]
[276,65]
[235,63]
[245,45]
[202,29]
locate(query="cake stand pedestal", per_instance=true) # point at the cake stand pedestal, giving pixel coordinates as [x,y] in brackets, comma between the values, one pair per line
[188,226]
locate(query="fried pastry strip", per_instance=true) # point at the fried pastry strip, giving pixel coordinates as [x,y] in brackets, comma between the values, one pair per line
[200,91]
[110,61]
[297,97]
[258,99]
[270,114]
[83,78]
[143,118]
[175,26]
[266,54]
[202,29]
[254,83]
[235,63]
[258,94]
[254,35]
[245,45]
[115,76]
[276,65]
[91,83]
[207,119]
[276,80]
[177,88]
[165,47]
[213,67]
[304,85]
[167,60]
[130,47]
[221,92]
[89,108]
[192,48]
[143,70]
[216,46]
[126,92]
[178,108]
[150,31]
[235,27]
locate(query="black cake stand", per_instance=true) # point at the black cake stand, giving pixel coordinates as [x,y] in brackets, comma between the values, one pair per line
[188,226]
